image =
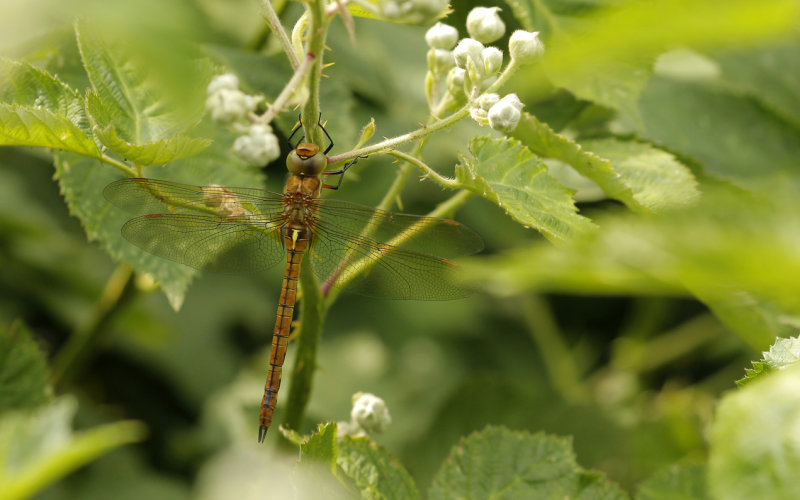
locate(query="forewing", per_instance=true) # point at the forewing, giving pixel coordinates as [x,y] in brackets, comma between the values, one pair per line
[208,243]
[379,253]
[147,196]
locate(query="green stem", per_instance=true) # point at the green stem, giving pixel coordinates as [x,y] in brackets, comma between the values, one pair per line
[274,22]
[120,166]
[84,340]
[317,33]
[312,315]
[559,364]
[429,172]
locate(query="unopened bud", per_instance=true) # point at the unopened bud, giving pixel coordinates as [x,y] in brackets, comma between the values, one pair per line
[370,413]
[525,46]
[484,25]
[505,115]
[259,147]
[227,81]
[440,61]
[468,50]
[492,59]
[455,82]
[229,105]
[441,36]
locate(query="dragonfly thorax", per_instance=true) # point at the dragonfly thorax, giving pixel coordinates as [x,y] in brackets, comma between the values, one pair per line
[306,159]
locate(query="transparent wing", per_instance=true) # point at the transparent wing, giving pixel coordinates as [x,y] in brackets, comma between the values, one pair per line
[146,196]
[379,253]
[212,228]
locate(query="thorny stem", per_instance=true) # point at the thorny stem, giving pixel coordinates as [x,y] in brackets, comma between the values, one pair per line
[118,292]
[274,22]
[317,33]
[312,307]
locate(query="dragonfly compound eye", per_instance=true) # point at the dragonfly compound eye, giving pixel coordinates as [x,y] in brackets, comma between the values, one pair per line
[306,159]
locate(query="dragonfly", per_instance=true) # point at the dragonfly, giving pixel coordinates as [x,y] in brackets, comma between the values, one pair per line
[358,248]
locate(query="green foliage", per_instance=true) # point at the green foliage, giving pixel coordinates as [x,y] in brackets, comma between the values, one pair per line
[508,174]
[23,371]
[676,482]
[782,354]
[38,448]
[498,463]
[667,180]
[753,449]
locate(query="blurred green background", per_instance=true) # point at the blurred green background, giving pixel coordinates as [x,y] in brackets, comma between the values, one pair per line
[556,340]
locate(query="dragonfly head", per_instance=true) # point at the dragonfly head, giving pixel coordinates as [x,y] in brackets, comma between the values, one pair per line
[306,159]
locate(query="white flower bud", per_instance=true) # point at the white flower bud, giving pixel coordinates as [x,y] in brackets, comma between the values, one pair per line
[227,81]
[486,101]
[480,112]
[259,146]
[525,47]
[441,36]
[455,82]
[440,61]
[484,25]
[505,115]
[389,9]
[466,50]
[492,59]
[229,105]
[370,413]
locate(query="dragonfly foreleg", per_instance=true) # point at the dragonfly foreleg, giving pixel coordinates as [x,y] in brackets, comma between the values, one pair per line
[340,173]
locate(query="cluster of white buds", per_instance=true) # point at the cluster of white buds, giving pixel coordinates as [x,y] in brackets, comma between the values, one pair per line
[369,415]
[467,69]
[412,11]
[225,103]
[259,147]
[228,105]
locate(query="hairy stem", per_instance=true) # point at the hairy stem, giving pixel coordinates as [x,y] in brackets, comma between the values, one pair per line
[290,88]
[269,15]
[317,33]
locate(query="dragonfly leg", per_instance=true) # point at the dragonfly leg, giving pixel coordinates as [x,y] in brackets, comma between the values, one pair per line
[340,173]
[330,146]
[294,131]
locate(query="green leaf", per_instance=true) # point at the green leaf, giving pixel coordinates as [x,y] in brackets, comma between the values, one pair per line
[375,473]
[25,85]
[37,449]
[783,353]
[27,126]
[82,181]
[604,55]
[658,181]
[321,446]
[732,251]
[676,482]
[503,171]
[754,449]
[770,75]
[731,134]
[133,114]
[644,178]
[172,148]
[498,463]
[24,378]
